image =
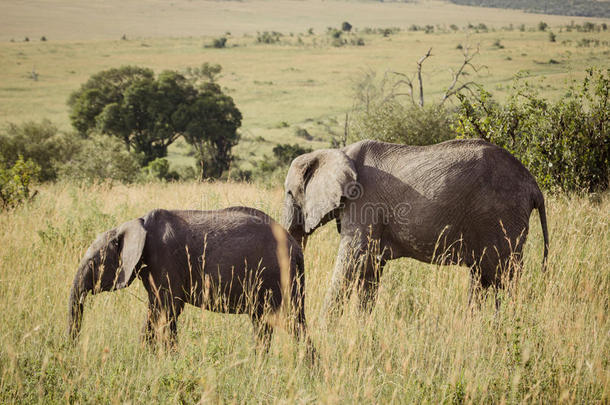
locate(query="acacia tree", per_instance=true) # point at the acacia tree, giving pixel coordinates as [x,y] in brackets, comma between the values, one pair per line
[149,113]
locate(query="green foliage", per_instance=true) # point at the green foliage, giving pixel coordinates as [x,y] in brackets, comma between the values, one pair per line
[39,142]
[100,157]
[267,37]
[15,182]
[542,26]
[159,169]
[275,167]
[219,43]
[206,73]
[565,144]
[149,113]
[393,122]
[341,37]
[210,125]
[285,153]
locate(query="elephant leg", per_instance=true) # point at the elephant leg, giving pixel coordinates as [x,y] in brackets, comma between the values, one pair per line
[150,327]
[369,283]
[173,312]
[474,288]
[349,260]
[163,312]
[263,333]
[482,278]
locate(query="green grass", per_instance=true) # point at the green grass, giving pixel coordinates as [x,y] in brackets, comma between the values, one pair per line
[548,343]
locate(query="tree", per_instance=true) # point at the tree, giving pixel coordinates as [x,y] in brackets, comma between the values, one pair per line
[210,125]
[42,143]
[565,143]
[149,113]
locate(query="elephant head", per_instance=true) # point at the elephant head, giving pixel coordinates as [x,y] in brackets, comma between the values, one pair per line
[108,265]
[315,186]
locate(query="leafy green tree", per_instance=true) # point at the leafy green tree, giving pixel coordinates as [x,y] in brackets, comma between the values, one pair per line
[565,144]
[210,125]
[149,113]
[15,182]
[41,143]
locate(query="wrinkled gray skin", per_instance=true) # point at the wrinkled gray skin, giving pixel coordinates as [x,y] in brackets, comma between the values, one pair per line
[462,202]
[225,261]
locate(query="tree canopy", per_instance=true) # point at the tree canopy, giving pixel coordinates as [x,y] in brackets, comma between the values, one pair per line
[149,113]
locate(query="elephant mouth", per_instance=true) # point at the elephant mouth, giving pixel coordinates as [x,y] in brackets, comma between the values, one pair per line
[334,214]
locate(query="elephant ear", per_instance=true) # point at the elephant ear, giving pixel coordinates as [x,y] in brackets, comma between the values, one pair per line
[132,236]
[327,178]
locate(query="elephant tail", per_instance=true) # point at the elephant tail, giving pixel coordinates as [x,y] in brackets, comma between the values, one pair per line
[539,205]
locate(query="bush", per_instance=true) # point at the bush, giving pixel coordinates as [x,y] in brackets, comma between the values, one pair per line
[565,144]
[273,169]
[219,42]
[346,26]
[542,26]
[15,182]
[303,133]
[39,142]
[412,125]
[158,169]
[267,37]
[285,153]
[101,157]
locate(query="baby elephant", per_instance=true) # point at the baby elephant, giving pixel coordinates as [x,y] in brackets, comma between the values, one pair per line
[235,260]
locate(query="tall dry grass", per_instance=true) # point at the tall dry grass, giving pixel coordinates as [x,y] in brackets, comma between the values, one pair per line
[548,343]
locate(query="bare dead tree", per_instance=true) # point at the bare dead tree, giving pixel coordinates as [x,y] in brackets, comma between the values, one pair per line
[415,80]
[452,89]
[421,84]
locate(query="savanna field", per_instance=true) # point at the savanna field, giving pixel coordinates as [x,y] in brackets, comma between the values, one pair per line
[549,342]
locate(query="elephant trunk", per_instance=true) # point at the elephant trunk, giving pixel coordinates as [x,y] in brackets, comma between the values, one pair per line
[77,299]
[292,220]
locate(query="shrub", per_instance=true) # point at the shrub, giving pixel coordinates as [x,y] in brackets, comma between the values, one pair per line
[542,26]
[219,42]
[565,144]
[552,36]
[101,157]
[273,169]
[267,37]
[41,143]
[346,26]
[15,182]
[412,125]
[303,133]
[158,169]
[285,153]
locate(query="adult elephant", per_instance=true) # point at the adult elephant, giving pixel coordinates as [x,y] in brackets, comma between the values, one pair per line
[464,202]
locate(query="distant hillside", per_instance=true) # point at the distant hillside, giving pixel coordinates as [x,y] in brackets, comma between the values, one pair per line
[581,8]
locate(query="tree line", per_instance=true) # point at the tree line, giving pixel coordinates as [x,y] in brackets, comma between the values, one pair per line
[581,8]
